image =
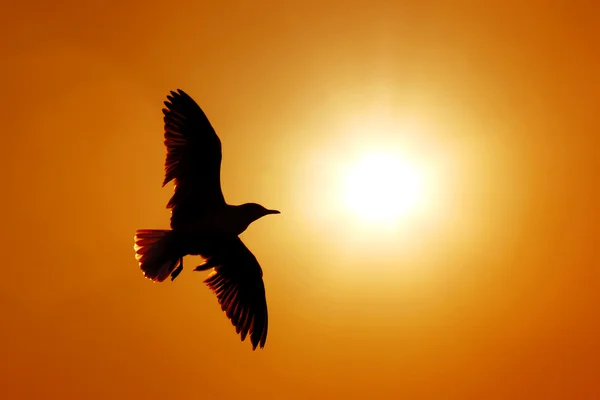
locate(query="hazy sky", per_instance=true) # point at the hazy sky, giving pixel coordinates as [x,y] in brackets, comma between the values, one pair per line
[491,292]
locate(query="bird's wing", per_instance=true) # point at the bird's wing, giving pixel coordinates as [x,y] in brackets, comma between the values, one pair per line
[237,282]
[193,159]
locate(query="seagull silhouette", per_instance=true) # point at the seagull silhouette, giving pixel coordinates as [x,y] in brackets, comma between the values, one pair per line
[202,223]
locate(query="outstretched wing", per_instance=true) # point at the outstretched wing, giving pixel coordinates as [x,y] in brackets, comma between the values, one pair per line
[237,282]
[193,159]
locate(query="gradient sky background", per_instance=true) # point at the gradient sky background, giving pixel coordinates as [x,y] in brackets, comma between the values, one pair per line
[492,294]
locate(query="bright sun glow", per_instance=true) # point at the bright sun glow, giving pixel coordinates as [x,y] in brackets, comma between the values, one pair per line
[383,187]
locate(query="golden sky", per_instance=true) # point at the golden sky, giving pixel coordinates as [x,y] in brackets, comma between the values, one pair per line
[491,292]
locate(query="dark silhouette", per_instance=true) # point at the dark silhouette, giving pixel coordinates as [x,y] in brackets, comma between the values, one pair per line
[202,223]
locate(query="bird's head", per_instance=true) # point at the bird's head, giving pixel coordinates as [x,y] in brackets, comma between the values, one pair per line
[254,211]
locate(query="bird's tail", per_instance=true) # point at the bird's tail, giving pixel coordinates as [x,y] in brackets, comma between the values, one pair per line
[158,254]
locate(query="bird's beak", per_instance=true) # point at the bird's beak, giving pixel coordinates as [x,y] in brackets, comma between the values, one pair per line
[273,212]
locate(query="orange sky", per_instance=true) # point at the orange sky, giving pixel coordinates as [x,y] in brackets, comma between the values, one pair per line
[495,297]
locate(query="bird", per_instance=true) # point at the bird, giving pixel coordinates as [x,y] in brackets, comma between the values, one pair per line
[202,223]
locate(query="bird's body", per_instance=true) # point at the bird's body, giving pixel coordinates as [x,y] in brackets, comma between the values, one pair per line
[202,223]
[226,220]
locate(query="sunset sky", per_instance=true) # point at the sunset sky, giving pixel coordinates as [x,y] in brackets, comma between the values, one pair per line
[485,284]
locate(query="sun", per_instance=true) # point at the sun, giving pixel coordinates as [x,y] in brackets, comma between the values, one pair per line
[383,187]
